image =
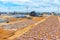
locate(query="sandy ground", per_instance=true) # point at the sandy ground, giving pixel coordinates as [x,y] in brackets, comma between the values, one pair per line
[47,30]
[3,32]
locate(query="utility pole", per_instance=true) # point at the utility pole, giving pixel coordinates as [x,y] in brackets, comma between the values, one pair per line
[8,11]
[27,9]
[58,9]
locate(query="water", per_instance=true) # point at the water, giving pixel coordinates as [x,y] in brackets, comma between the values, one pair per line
[19,16]
[14,16]
[2,20]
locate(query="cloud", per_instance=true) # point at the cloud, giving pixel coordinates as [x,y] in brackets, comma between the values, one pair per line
[53,2]
[14,0]
[20,2]
[33,2]
[48,5]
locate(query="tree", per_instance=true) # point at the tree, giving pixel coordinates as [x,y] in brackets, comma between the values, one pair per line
[33,13]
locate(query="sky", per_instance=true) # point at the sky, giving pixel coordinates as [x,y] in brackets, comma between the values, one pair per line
[31,5]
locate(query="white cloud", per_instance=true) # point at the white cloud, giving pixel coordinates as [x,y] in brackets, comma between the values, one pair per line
[21,2]
[34,3]
[56,1]
[14,0]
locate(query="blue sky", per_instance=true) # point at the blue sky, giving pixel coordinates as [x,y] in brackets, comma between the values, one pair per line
[36,5]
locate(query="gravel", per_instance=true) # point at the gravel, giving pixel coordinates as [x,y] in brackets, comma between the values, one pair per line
[48,30]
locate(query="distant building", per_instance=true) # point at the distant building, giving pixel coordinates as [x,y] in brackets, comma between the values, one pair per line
[46,14]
